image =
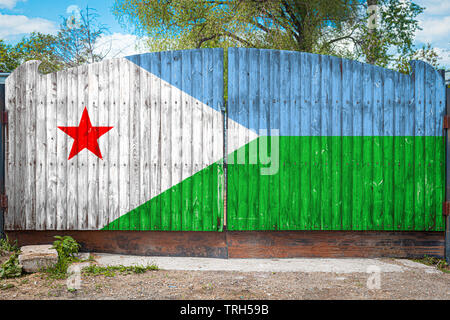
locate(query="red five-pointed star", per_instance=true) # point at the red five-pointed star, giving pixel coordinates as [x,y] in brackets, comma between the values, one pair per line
[85,136]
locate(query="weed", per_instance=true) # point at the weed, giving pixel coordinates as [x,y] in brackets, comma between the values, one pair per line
[7,246]
[110,271]
[6,286]
[11,268]
[440,264]
[67,248]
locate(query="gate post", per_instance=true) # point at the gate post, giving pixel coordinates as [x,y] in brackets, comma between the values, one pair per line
[447,176]
[2,158]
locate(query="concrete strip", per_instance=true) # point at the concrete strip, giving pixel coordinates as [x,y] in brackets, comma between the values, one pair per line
[418,266]
[253,265]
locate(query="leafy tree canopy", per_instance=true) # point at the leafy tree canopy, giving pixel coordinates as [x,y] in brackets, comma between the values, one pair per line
[337,27]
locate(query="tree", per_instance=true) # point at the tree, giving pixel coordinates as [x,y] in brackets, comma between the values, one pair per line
[282,24]
[78,39]
[76,43]
[320,26]
[36,46]
[8,58]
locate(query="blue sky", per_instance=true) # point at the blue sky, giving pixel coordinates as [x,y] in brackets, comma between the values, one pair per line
[20,17]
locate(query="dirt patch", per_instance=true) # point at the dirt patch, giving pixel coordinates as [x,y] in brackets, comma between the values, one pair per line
[414,284]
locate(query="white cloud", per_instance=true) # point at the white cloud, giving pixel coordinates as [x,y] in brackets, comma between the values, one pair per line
[9,4]
[434,29]
[120,45]
[72,9]
[435,24]
[12,25]
[444,57]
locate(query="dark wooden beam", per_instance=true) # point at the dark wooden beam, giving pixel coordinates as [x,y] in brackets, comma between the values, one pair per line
[250,244]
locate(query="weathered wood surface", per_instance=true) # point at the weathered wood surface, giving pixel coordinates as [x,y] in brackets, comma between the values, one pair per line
[251,244]
[161,136]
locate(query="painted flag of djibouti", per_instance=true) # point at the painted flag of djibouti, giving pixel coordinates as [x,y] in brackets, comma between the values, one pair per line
[134,143]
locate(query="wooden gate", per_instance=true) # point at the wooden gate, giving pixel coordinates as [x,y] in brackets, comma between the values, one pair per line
[133,143]
[333,144]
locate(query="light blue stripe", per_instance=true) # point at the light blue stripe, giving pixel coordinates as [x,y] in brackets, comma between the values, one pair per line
[335,96]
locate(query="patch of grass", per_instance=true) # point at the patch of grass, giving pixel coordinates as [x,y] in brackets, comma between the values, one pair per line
[11,268]
[440,264]
[111,271]
[6,286]
[7,246]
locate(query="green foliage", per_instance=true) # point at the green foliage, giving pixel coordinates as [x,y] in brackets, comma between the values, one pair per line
[7,246]
[319,26]
[66,247]
[432,261]
[11,268]
[110,271]
[75,44]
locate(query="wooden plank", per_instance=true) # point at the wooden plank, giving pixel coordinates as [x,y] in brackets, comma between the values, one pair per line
[177,147]
[378,182]
[357,107]
[325,144]
[104,109]
[251,244]
[367,147]
[419,125]
[134,122]
[114,143]
[388,151]
[166,140]
[218,139]
[155,146]
[336,163]
[149,243]
[92,160]
[72,164]
[82,157]
[197,141]
[430,148]
[398,155]
[62,151]
[145,141]
[10,147]
[187,143]
[285,124]
[315,161]
[41,153]
[51,159]
[334,244]
[30,161]
[347,144]
[254,186]
[305,142]
[124,142]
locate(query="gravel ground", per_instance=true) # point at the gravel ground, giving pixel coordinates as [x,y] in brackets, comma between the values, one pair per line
[414,282]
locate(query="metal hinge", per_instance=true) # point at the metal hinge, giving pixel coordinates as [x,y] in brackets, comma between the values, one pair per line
[446,124]
[4,117]
[446,208]
[3,201]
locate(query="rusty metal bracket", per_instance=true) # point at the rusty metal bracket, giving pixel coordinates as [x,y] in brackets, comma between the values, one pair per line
[4,117]
[446,124]
[446,208]
[3,201]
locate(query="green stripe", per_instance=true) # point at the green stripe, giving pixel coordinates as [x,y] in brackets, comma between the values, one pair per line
[195,204]
[341,183]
